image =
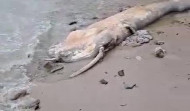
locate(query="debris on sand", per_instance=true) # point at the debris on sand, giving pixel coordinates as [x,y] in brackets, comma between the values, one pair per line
[48,66]
[56,69]
[72,23]
[160,32]
[103,81]
[157,42]
[14,95]
[127,57]
[52,67]
[159,52]
[130,87]
[121,73]
[123,105]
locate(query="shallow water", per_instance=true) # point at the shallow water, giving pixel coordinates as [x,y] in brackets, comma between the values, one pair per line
[22,22]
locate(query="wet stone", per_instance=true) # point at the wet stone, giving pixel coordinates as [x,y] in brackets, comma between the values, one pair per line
[14,95]
[30,104]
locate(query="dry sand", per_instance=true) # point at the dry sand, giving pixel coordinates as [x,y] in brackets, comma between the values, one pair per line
[162,83]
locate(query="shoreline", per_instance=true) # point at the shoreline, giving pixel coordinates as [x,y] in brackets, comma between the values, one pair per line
[162,83]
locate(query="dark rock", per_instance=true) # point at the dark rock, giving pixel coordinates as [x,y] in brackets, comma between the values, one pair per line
[103,81]
[121,73]
[14,95]
[72,23]
[106,72]
[156,42]
[94,18]
[130,87]
[159,52]
[29,55]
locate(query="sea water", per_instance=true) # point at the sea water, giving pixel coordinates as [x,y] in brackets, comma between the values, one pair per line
[21,23]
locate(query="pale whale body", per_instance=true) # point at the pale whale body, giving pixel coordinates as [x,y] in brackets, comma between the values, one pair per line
[96,39]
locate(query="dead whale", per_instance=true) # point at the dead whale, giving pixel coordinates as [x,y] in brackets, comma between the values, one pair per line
[102,36]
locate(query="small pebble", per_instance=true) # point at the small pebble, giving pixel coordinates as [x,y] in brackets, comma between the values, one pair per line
[121,73]
[103,81]
[159,52]
[158,42]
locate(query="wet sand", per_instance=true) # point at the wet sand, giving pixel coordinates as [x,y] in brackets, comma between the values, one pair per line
[162,83]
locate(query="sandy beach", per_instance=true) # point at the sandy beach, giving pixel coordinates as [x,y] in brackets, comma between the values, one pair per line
[162,84]
[149,83]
